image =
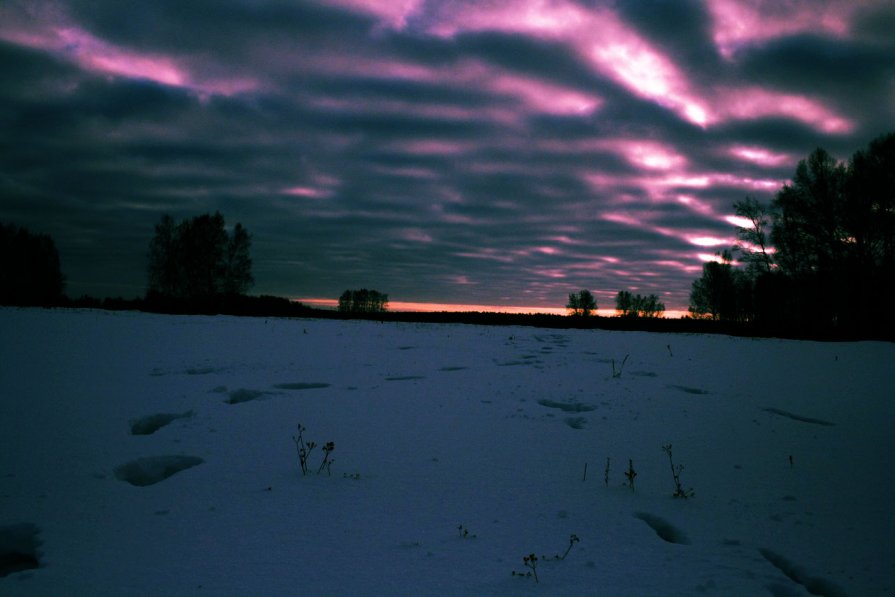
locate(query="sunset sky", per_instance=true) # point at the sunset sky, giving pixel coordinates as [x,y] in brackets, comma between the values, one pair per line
[477,152]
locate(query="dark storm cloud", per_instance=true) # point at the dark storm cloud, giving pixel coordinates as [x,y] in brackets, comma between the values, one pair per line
[485,153]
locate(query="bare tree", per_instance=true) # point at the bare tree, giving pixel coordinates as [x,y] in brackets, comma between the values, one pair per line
[198,260]
[629,305]
[30,273]
[581,303]
[753,240]
[363,301]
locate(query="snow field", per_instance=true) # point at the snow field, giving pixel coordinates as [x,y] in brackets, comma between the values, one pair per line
[436,426]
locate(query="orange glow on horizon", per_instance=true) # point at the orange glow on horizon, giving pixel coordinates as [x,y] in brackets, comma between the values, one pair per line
[405,306]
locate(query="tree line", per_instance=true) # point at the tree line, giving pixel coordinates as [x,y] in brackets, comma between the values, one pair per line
[819,256]
[583,304]
[30,273]
[198,260]
[363,301]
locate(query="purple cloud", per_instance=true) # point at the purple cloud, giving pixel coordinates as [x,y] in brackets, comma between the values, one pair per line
[478,153]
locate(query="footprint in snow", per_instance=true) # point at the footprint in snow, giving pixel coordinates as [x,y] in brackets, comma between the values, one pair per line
[18,548]
[301,386]
[143,472]
[150,424]
[689,390]
[576,422]
[813,584]
[666,531]
[243,395]
[799,418]
[569,407]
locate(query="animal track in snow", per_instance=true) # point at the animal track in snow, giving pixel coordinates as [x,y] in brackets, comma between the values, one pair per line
[576,422]
[18,548]
[301,386]
[813,584]
[154,469]
[666,531]
[243,395]
[569,407]
[689,390]
[150,424]
[202,370]
[801,419]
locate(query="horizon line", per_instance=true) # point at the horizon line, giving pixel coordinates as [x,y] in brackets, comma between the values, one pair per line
[424,307]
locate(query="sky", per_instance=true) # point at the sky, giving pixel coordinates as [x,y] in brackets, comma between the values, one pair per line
[467,152]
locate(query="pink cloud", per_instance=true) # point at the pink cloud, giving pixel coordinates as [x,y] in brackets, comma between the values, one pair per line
[96,55]
[696,205]
[754,102]
[530,95]
[391,13]
[407,172]
[307,192]
[416,235]
[633,62]
[614,49]
[641,153]
[709,241]
[598,35]
[760,155]
[544,18]
[544,97]
[436,147]
[739,23]
[48,28]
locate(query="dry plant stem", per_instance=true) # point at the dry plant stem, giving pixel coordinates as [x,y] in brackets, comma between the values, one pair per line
[630,474]
[676,475]
[304,450]
[531,561]
[618,373]
[327,449]
[573,539]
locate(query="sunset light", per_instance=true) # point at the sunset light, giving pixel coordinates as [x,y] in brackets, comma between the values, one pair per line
[398,297]
[445,153]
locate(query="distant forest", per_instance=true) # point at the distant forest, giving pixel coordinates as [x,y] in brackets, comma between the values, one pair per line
[818,261]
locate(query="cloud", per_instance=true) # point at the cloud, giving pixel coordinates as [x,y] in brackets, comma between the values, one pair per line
[470,152]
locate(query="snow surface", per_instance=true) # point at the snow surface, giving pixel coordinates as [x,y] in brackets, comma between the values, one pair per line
[437,427]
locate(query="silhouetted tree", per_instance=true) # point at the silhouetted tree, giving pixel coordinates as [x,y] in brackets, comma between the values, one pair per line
[714,294]
[628,305]
[624,304]
[581,303]
[809,231]
[829,260]
[810,235]
[238,268]
[30,273]
[363,301]
[165,274]
[870,220]
[753,240]
[834,231]
[651,307]
[198,260]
